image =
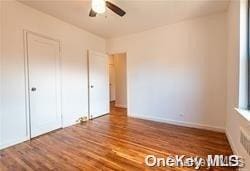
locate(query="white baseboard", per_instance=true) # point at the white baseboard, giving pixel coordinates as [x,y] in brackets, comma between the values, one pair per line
[14,142]
[233,146]
[180,123]
[70,123]
[157,119]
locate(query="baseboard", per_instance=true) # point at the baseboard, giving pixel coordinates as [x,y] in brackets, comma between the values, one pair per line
[233,146]
[180,123]
[99,116]
[68,124]
[12,143]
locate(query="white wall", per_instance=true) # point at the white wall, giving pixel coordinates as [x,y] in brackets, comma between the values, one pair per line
[177,73]
[237,75]
[75,42]
[120,79]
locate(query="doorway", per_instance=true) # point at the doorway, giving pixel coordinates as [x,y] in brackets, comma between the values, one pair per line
[43,85]
[118,80]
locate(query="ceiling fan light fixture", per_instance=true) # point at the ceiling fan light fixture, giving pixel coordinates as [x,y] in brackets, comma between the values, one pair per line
[99,6]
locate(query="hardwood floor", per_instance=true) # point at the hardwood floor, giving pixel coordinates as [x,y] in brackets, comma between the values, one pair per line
[112,142]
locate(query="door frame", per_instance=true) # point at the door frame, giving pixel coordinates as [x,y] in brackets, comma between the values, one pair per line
[127,80]
[26,75]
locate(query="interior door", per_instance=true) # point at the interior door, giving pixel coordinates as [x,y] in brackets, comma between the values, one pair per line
[44,84]
[112,82]
[98,84]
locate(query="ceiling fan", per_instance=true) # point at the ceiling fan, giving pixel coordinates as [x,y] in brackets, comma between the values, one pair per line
[99,6]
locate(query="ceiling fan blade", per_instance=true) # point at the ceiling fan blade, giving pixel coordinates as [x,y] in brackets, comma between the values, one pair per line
[115,9]
[92,13]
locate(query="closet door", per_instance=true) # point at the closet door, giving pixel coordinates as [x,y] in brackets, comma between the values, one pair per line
[98,84]
[44,84]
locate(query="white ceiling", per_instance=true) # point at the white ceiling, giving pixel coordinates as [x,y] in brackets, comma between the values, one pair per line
[141,14]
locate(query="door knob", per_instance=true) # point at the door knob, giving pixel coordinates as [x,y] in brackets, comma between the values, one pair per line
[91,86]
[33,89]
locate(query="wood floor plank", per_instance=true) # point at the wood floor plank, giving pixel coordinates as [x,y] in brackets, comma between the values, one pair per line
[113,142]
